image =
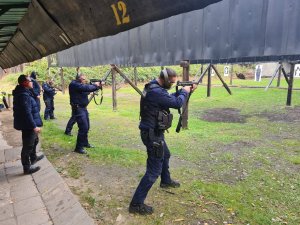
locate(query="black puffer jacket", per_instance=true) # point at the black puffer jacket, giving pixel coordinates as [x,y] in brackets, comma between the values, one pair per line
[26,111]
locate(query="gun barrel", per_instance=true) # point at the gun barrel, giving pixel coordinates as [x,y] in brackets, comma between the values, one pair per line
[186,83]
[95,80]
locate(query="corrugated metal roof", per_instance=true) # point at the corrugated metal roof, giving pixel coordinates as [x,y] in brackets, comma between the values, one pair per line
[49,26]
[12,11]
[230,31]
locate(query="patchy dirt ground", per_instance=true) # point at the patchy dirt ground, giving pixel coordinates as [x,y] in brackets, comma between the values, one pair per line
[292,115]
[225,115]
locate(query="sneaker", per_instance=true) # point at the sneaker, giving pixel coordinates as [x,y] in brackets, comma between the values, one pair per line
[31,169]
[52,118]
[68,133]
[141,209]
[172,184]
[38,158]
[80,151]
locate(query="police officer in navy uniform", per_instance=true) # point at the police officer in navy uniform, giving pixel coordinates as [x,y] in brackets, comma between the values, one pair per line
[36,88]
[48,96]
[155,119]
[27,119]
[72,120]
[79,92]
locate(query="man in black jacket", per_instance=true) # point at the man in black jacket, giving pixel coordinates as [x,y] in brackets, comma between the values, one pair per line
[28,120]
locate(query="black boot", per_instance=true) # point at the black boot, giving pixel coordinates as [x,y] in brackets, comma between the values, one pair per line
[68,133]
[80,151]
[141,209]
[89,146]
[38,158]
[31,169]
[172,184]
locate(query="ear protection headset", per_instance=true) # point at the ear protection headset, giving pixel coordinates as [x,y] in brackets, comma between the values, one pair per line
[164,75]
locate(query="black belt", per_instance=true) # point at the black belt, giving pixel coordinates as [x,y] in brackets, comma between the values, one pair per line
[76,106]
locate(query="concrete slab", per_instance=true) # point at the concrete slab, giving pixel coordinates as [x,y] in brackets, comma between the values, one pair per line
[6,212]
[5,194]
[11,221]
[28,205]
[13,154]
[74,215]
[24,193]
[49,183]
[36,217]
[58,200]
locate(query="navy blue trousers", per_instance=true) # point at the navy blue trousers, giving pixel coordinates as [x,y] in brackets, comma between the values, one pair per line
[155,167]
[70,124]
[49,109]
[82,119]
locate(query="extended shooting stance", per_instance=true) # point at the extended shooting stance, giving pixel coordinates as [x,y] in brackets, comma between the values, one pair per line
[79,100]
[155,119]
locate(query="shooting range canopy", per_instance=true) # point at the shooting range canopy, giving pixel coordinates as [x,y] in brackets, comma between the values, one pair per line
[230,31]
[30,30]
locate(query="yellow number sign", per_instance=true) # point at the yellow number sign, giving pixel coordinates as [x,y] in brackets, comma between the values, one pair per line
[121,8]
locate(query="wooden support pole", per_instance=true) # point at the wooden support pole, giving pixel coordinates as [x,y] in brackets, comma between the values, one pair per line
[114,90]
[290,88]
[272,78]
[185,77]
[114,67]
[231,74]
[221,79]
[135,75]
[285,75]
[279,76]
[209,81]
[63,86]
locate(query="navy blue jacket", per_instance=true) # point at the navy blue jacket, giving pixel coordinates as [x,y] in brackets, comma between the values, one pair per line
[49,91]
[26,111]
[36,88]
[79,93]
[157,99]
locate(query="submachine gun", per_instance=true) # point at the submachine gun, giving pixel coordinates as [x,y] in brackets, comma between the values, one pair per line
[183,84]
[96,93]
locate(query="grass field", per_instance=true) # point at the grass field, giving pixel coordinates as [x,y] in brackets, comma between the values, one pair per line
[238,163]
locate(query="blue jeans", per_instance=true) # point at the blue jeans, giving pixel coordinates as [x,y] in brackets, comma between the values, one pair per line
[156,166]
[82,118]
